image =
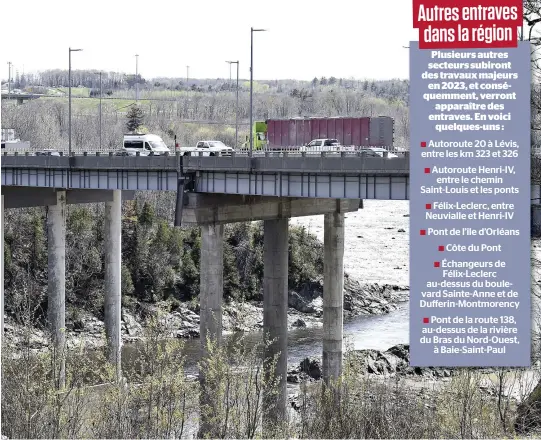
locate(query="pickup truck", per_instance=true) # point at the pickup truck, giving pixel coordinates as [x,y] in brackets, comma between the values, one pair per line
[323,145]
[207,148]
[377,152]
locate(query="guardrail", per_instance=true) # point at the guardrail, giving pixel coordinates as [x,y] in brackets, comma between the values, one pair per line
[241,153]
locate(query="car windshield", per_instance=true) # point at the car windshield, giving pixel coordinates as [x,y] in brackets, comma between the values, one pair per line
[158,145]
[217,144]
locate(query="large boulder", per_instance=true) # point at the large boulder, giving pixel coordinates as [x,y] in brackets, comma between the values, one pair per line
[299,303]
[311,367]
[308,369]
[130,325]
[393,361]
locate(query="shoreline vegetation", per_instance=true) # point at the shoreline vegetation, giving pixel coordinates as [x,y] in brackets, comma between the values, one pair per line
[381,396]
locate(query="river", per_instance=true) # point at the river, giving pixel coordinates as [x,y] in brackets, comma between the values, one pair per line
[377,332]
[376,251]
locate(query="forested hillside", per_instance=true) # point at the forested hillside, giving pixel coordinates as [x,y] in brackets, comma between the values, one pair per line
[201,109]
[160,262]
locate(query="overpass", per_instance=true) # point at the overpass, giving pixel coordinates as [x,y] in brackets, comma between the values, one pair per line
[19,97]
[211,192]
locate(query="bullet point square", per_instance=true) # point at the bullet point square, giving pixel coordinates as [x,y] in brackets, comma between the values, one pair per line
[428,206]
[423,144]
[436,264]
[422,231]
[441,248]
[426,320]
[427,170]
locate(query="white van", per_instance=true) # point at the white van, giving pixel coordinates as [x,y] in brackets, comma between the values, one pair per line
[145,144]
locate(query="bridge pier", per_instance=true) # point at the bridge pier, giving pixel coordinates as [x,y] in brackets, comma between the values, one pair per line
[56,304]
[333,295]
[210,324]
[275,304]
[113,279]
[536,209]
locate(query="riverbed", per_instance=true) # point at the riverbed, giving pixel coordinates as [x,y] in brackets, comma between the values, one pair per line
[376,251]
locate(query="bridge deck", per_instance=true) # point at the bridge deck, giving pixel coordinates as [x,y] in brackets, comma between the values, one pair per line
[285,175]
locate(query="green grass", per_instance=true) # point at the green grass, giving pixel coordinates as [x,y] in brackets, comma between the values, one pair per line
[162,94]
[93,103]
[76,91]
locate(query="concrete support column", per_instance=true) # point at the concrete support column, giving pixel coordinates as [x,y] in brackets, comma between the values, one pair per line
[275,280]
[333,296]
[56,308]
[536,209]
[113,279]
[211,297]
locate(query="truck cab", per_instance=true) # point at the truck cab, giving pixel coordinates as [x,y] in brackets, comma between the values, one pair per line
[259,133]
[145,144]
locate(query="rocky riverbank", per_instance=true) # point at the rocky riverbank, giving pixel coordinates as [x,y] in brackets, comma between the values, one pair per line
[182,320]
[390,363]
[393,365]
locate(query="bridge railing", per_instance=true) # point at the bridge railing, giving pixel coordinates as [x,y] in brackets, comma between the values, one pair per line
[268,152]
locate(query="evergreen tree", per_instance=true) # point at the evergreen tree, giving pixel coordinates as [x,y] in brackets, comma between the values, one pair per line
[135,118]
[147,216]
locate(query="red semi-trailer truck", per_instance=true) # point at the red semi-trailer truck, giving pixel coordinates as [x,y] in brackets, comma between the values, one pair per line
[357,132]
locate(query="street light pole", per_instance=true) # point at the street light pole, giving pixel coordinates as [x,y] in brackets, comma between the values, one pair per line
[237,104]
[237,111]
[69,98]
[100,110]
[137,77]
[9,79]
[252,30]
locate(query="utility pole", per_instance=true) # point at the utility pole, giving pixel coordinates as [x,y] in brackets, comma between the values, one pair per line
[187,75]
[100,109]
[237,104]
[237,111]
[9,79]
[137,77]
[252,30]
[251,88]
[69,98]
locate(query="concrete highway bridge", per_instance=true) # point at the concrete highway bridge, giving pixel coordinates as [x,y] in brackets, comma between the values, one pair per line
[19,97]
[211,191]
